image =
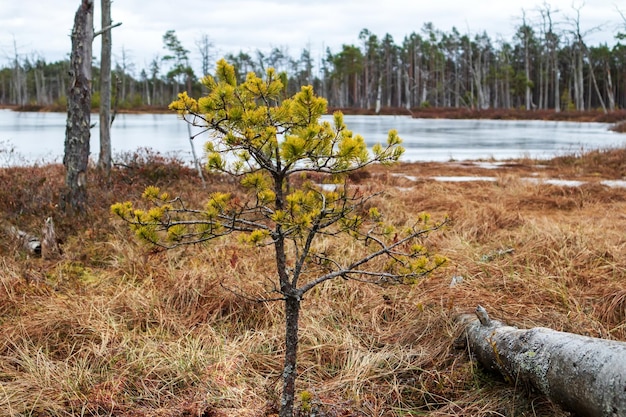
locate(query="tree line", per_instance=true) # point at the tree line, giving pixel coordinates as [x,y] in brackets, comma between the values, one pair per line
[547,64]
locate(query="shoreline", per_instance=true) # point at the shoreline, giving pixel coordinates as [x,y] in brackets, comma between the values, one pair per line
[595,115]
[617,117]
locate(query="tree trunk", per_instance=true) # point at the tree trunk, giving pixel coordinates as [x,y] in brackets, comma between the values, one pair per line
[527,72]
[366,84]
[609,88]
[556,74]
[399,86]
[478,81]
[77,132]
[104,159]
[585,375]
[17,77]
[595,86]
[195,157]
[457,84]
[292,313]
[407,90]
[379,93]
[579,88]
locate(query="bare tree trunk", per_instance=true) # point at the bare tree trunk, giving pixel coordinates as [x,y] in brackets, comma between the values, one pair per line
[457,84]
[527,73]
[595,86]
[379,93]
[205,45]
[609,88]
[478,81]
[399,86]
[44,91]
[38,86]
[579,86]
[585,375]
[366,83]
[557,91]
[542,83]
[18,78]
[77,133]
[195,157]
[104,159]
[425,78]
[407,90]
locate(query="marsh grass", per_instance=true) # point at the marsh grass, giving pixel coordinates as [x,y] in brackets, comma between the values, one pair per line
[115,327]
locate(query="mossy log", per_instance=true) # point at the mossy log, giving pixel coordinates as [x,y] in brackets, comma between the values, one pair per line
[585,375]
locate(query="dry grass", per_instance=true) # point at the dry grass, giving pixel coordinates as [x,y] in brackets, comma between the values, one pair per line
[116,328]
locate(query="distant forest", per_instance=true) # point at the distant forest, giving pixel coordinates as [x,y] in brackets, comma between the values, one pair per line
[544,66]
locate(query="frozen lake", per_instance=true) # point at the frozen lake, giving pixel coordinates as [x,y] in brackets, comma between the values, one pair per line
[39,137]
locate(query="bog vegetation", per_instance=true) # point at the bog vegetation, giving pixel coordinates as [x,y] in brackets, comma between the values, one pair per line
[118,327]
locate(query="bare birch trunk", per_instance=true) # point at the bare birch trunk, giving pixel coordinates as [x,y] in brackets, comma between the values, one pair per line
[585,375]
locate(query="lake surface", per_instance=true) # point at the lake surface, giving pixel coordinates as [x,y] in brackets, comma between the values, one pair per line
[39,137]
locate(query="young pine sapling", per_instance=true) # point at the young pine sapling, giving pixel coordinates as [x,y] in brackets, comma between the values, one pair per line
[271,143]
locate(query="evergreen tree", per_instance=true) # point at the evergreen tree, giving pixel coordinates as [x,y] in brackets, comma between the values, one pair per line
[269,142]
[181,70]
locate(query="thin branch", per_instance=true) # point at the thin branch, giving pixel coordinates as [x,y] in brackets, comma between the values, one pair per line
[106,28]
[352,267]
[305,252]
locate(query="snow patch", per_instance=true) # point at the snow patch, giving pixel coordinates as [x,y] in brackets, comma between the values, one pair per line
[462,179]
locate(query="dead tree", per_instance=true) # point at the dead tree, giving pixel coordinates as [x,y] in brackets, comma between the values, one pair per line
[77,132]
[583,374]
[104,160]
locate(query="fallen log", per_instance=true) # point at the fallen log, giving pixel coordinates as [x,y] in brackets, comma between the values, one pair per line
[29,242]
[585,375]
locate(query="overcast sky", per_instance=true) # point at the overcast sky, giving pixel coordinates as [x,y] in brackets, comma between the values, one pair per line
[40,27]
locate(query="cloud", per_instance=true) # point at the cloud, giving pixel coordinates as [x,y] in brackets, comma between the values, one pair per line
[248,25]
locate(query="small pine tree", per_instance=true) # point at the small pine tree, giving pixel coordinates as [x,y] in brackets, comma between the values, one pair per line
[266,140]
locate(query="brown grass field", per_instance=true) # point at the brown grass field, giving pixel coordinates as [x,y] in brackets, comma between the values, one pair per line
[115,328]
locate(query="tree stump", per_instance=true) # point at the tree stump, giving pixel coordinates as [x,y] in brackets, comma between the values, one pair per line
[49,244]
